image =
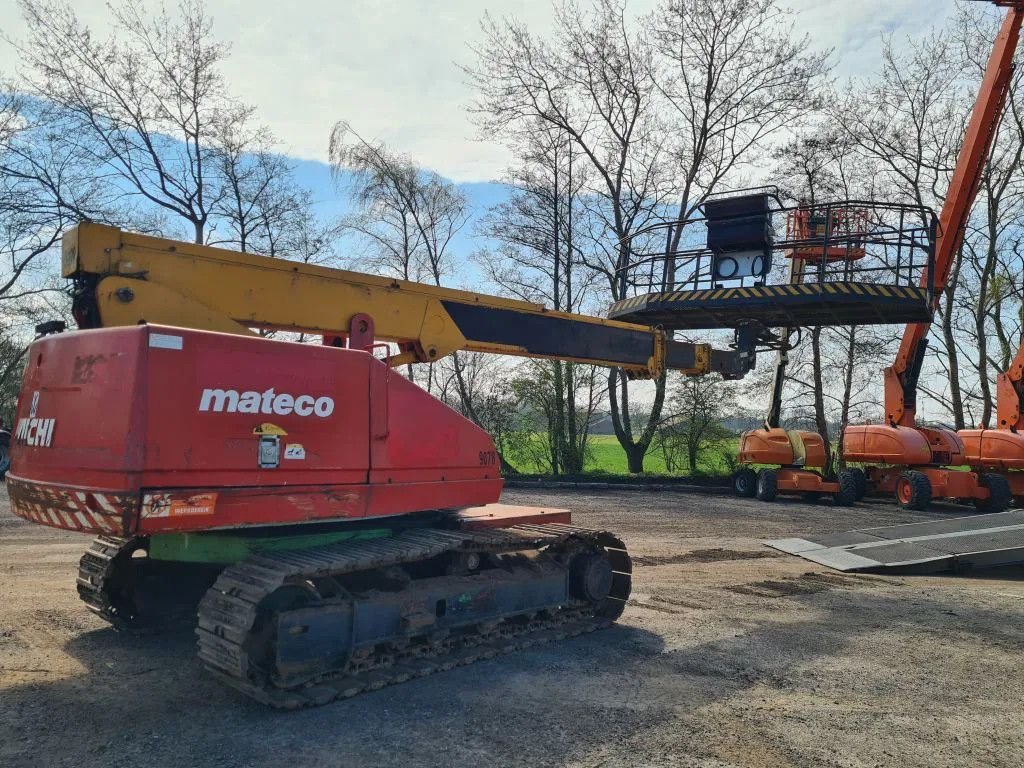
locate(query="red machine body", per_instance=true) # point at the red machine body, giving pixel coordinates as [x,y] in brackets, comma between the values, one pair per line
[147,429]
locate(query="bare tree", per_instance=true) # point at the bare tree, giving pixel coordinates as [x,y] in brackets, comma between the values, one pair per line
[408,216]
[733,74]
[538,258]
[263,209]
[253,177]
[985,299]
[625,101]
[696,410]
[149,104]
[563,447]
[908,122]
[593,83]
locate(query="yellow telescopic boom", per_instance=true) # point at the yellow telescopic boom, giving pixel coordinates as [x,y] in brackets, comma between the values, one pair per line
[122,278]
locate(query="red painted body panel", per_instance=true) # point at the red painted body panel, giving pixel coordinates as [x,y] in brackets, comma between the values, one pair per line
[169,421]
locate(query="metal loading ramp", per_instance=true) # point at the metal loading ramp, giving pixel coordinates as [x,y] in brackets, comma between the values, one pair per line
[978,541]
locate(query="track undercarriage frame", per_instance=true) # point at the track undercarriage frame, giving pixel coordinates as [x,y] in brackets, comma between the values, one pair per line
[299,627]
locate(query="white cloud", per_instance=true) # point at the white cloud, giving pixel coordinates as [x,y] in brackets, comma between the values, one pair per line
[390,67]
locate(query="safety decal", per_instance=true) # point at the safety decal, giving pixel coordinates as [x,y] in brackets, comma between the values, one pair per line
[178,505]
[266,428]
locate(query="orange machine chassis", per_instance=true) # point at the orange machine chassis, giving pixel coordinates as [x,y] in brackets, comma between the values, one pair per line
[945,483]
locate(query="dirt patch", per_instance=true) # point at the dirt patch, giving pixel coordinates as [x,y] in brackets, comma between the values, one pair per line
[698,672]
[805,584]
[10,641]
[703,556]
[668,604]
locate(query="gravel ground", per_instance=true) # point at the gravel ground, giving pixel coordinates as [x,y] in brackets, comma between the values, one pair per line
[729,654]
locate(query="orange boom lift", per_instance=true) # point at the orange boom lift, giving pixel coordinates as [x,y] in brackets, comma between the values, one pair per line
[915,458]
[1001,450]
[831,233]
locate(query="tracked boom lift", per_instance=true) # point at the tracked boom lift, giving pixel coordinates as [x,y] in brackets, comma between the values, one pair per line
[906,459]
[335,524]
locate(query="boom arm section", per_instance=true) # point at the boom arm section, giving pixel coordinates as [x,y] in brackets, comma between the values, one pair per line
[1009,386]
[123,278]
[901,379]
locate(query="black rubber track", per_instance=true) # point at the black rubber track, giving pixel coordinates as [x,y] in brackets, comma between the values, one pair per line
[228,612]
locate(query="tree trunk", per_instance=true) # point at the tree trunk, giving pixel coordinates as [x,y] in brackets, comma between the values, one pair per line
[955,394]
[981,313]
[820,417]
[635,458]
[844,416]
[635,450]
[576,434]
[559,459]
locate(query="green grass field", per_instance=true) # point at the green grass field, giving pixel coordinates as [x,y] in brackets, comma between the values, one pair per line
[608,458]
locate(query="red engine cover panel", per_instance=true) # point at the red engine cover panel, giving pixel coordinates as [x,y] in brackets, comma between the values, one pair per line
[173,429]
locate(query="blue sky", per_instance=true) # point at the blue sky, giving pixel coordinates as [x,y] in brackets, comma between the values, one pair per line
[391,67]
[331,202]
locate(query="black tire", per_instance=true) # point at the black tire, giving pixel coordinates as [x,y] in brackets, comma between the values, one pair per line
[812,497]
[5,454]
[767,485]
[1000,497]
[744,483]
[913,490]
[861,480]
[847,495]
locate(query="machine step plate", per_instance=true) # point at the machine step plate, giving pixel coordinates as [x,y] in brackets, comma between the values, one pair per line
[979,541]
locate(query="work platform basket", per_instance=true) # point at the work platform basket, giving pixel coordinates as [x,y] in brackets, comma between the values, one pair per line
[750,262]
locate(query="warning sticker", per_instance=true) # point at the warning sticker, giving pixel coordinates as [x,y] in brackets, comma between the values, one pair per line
[197,504]
[294,451]
[267,428]
[173,505]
